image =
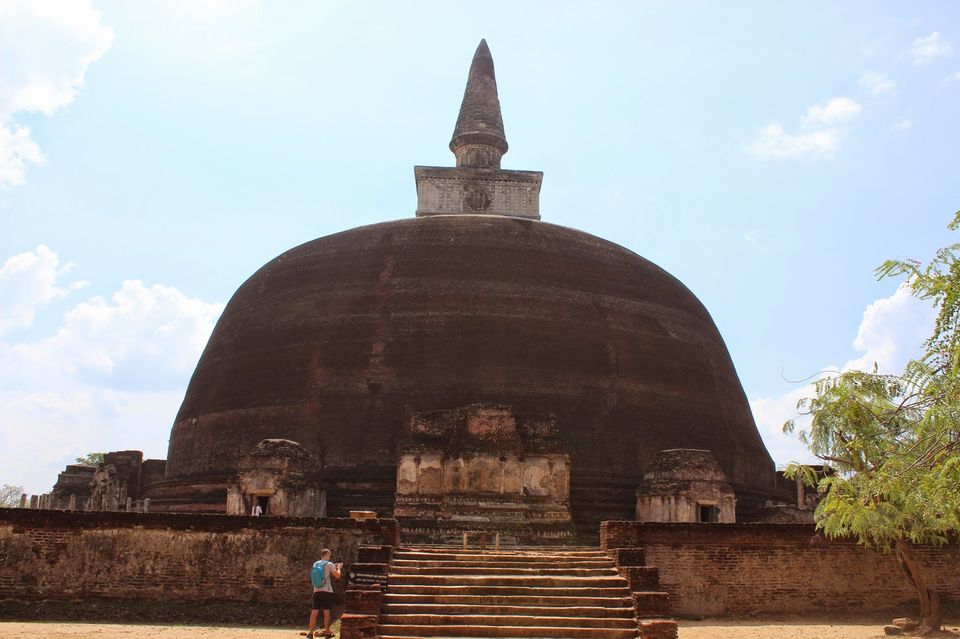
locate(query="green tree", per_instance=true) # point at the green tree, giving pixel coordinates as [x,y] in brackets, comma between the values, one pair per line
[93,459]
[10,496]
[892,442]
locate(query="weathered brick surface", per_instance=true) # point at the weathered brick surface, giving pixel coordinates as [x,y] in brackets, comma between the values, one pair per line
[737,569]
[640,577]
[363,602]
[651,604]
[340,338]
[196,559]
[629,557]
[375,554]
[358,626]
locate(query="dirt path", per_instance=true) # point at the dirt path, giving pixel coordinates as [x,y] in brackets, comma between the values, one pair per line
[41,630]
[793,629]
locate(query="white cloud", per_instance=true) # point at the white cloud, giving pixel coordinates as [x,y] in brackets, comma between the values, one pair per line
[931,47]
[902,124]
[142,337]
[953,77]
[773,142]
[28,282]
[111,376]
[833,111]
[17,150]
[891,332]
[46,48]
[822,136]
[877,83]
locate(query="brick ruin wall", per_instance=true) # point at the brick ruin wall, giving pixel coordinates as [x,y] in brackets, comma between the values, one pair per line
[169,567]
[770,569]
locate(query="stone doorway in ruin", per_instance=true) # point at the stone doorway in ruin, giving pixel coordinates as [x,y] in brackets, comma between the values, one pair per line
[481,471]
[264,502]
[281,476]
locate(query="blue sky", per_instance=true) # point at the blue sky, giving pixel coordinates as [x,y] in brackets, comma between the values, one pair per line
[154,155]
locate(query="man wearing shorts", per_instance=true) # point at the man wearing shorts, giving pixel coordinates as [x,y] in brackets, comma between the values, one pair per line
[322,575]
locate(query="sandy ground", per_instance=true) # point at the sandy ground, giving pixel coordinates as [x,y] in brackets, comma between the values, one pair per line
[727,629]
[42,630]
[688,630]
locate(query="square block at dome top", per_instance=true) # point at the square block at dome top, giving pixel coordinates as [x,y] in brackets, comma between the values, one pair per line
[458,191]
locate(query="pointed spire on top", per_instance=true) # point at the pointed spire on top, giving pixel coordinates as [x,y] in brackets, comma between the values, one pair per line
[478,139]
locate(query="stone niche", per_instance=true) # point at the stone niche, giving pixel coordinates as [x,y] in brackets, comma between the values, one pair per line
[685,485]
[280,476]
[484,468]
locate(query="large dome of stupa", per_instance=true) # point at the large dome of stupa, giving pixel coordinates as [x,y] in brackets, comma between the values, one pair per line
[337,342]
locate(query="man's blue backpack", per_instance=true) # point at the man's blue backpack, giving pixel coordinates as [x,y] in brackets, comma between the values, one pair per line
[318,574]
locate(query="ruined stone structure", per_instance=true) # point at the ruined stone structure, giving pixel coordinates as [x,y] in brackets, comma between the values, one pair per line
[685,485]
[346,344]
[281,477]
[479,465]
[116,484]
[73,487]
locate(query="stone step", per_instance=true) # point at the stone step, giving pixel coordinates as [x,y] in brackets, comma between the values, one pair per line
[500,631]
[390,599]
[619,611]
[472,558]
[506,620]
[435,553]
[490,571]
[604,562]
[558,593]
[490,551]
[508,580]
[533,591]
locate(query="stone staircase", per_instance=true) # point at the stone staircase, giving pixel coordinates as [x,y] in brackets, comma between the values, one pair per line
[557,593]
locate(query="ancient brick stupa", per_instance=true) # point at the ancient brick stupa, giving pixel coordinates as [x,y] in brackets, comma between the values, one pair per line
[469,367]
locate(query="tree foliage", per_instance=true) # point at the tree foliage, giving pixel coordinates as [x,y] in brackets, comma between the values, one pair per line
[10,496]
[892,442]
[93,459]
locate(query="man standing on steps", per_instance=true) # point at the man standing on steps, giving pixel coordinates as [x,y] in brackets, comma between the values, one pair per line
[322,573]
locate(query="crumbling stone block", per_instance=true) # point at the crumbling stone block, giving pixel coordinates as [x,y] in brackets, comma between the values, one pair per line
[658,629]
[906,624]
[358,626]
